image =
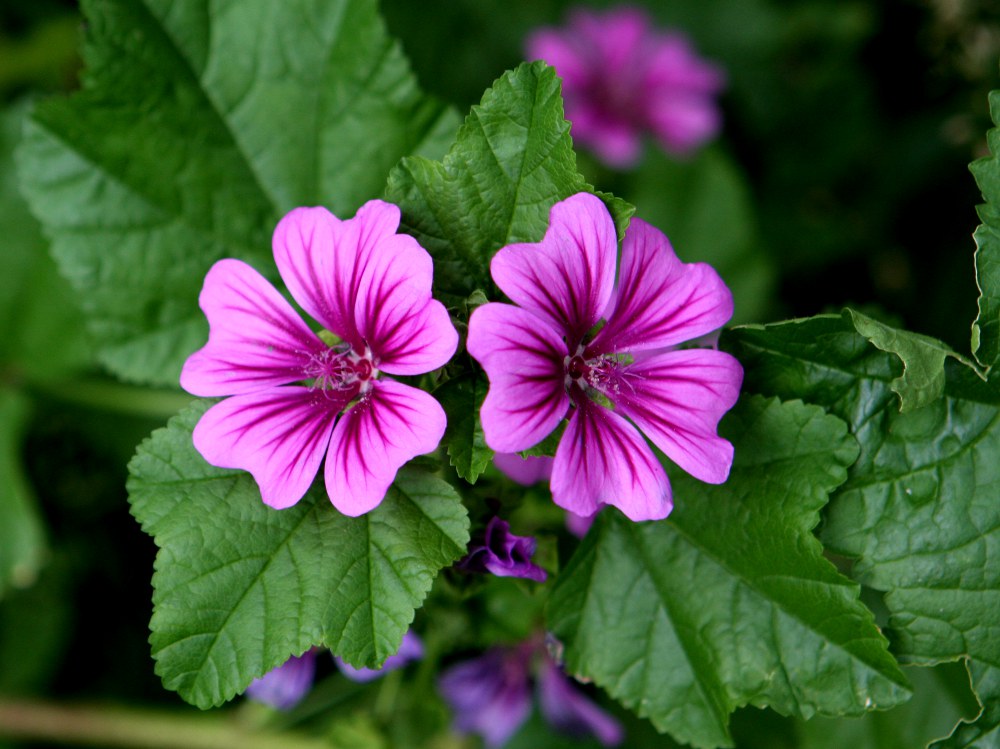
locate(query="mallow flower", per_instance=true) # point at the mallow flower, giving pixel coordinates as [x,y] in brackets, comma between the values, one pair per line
[546,359]
[623,78]
[491,695]
[293,395]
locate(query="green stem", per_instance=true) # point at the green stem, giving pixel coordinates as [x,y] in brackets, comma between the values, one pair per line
[106,395]
[135,728]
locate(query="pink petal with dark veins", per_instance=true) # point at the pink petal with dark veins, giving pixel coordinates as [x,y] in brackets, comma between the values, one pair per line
[523,358]
[390,425]
[256,340]
[602,459]
[408,331]
[321,259]
[660,301]
[677,399]
[568,277]
[279,436]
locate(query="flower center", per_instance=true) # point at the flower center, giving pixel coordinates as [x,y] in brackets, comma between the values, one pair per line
[598,378]
[340,369]
[577,367]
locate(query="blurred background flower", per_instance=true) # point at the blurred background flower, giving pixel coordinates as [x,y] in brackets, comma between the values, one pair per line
[623,78]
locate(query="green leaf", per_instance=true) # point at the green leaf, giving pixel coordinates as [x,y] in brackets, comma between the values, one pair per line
[461,398]
[730,601]
[512,160]
[548,446]
[931,713]
[239,586]
[919,510]
[922,381]
[43,337]
[986,329]
[22,539]
[984,731]
[42,341]
[196,129]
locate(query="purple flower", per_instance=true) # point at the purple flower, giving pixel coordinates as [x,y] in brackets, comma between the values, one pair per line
[411,649]
[285,686]
[292,396]
[617,384]
[499,551]
[491,696]
[622,78]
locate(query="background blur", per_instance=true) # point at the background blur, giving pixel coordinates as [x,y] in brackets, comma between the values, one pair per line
[840,178]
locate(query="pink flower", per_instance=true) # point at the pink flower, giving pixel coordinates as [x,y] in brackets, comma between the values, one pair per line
[622,78]
[292,397]
[616,384]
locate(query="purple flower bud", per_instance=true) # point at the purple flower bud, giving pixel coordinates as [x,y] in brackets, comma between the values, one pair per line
[285,686]
[411,649]
[500,552]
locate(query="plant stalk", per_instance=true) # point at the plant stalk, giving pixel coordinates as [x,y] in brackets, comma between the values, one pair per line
[106,725]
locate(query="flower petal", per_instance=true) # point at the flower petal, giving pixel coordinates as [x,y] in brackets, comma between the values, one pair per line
[566,278]
[569,56]
[684,122]
[618,41]
[618,143]
[602,459]
[407,331]
[677,399]
[255,340]
[660,301]
[387,427]
[568,710]
[523,358]
[524,471]
[285,686]
[674,68]
[322,258]
[578,525]
[498,551]
[278,435]
[489,695]
[410,649]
